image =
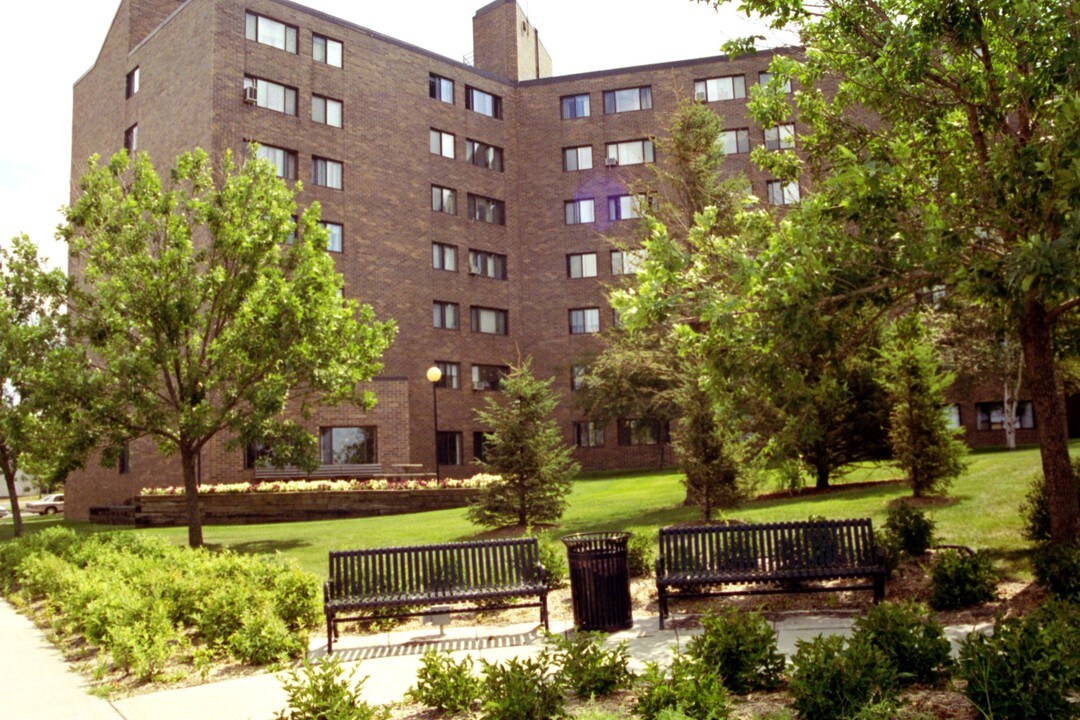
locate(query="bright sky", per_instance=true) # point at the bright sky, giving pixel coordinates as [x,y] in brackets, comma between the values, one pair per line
[580,35]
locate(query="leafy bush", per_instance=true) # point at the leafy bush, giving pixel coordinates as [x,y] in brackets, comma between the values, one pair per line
[264,638]
[1036,507]
[832,679]
[1026,670]
[325,692]
[521,689]
[741,647]
[444,684]
[588,668]
[890,548]
[145,646]
[641,554]
[960,580]
[910,527]
[909,639]
[553,558]
[1057,568]
[688,687]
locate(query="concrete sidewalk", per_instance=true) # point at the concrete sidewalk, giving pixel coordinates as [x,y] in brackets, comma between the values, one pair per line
[35,683]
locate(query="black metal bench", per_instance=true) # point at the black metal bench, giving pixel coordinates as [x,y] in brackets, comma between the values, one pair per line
[394,582]
[696,561]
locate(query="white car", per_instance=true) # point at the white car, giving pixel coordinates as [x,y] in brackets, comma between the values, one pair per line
[48,505]
[3,512]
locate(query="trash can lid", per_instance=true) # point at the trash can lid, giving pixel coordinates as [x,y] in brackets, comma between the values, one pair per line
[597,540]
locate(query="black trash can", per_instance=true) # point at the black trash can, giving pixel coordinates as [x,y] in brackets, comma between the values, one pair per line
[599,580]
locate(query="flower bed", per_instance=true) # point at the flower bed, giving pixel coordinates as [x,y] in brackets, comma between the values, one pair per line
[330,485]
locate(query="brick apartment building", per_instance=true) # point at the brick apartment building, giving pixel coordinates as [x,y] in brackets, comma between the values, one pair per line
[473,203]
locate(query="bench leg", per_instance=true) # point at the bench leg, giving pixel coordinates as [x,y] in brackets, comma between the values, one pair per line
[330,628]
[879,588]
[662,597]
[544,612]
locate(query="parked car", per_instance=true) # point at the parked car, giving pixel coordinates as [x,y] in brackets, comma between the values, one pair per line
[48,505]
[3,512]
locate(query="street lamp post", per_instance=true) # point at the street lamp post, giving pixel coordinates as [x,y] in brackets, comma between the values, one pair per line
[434,375]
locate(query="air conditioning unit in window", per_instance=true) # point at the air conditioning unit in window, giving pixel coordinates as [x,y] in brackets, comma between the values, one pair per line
[251,95]
[611,161]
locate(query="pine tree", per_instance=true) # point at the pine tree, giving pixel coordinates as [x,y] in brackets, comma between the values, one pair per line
[523,447]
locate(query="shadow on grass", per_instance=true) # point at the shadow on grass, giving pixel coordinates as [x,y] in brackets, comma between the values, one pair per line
[260,547]
[1013,563]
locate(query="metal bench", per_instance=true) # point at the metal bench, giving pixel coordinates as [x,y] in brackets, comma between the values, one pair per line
[395,582]
[697,561]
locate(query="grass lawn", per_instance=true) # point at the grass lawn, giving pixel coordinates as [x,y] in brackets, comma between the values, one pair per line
[982,511]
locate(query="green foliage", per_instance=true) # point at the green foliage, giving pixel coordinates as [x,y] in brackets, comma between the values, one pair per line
[832,679]
[741,647]
[324,691]
[909,528]
[588,668]
[445,684]
[201,316]
[1057,568]
[263,638]
[909,639]
[1025,670]
[552,557]
[525,449]
[890,548]
[960,580]
[145,646]
[923,445]
[521,689]
[1036,507]
[688,688]
[641,554]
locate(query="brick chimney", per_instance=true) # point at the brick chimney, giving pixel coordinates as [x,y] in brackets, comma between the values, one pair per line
[506,43]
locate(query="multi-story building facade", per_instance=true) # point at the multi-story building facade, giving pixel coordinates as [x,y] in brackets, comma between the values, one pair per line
[471,203]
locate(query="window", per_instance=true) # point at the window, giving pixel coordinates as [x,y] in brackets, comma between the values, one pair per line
[625,262]
[443,200]
[580,211]
[327,173]
[782,193]
[575,106]
[577,376]
[781,137]
[487,264]
[629,99]
[730,87]
[488,377]
[347,445]
[577,158]
[284,161]
[326,111]
[441,88]
[123,460]
[626,207]
[641,432]
[451,375]
[584,321]
[479,444]
[588,434]
[581,265]
[445,315]
[734,142]
[631,152]
[271,32]
[448,448]
[483,103]
[444,257]
[991,416]
[765,77]
[335,240]
[442,143]
[487,209]
[132,82]
[488,321]
[952,416]
[325,50]
[253,453]
[484,155]
[131,139]
[272,96]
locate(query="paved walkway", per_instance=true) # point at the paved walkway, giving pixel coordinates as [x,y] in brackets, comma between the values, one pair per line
[36,684]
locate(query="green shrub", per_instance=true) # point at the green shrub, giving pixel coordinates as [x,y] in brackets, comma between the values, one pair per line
[444,684]
[1036,507]
[325,692]
[44,576]
[891,550]
[264,638]
[1025,671]
[553,558]
[588,668]
[641,554]
[911,529]
[960,580]
[909,639]
[741,647]
[145,646]
[832,679]
[1057,568]
[521,689]
[687,687]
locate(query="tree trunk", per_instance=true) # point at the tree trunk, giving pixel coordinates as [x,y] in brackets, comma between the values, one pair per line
[1050,419]
[13,494]
[188,459]
[822,472]
[1009,421]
